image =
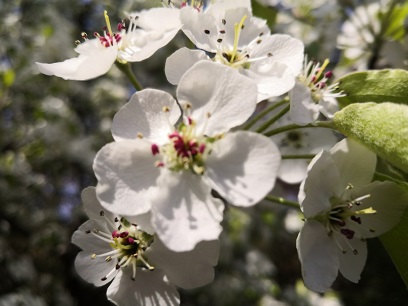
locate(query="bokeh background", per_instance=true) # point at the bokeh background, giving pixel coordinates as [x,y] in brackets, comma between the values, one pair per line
[51,129]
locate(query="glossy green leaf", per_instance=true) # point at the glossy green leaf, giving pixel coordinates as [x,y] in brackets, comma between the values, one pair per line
[389,85]
[381,127]
[396,244]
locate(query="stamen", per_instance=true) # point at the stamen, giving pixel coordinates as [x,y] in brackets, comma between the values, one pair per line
[321,69]
[134,271]
[151,268]
[367,211]
[105,13]
[237,31]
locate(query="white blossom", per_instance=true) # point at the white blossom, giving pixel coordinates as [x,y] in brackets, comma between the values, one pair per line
[342,207]
[300,142]
[142,270]
[148,31]
[170,170]
[311,94]
[236,39]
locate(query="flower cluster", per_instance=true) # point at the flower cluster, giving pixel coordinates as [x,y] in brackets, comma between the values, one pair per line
[176,163]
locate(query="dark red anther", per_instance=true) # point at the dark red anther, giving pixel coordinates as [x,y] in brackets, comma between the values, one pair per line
[356,219]
[130,240]
[347,232]
[115,234]
[328,74]
[121,26]
[201,148]
[341,223]
[155,149]
[124,234]
[174,134]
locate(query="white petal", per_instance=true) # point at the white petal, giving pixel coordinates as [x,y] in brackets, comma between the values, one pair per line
[219,92]
[184,212]
[88,242]
[180,61]
[243,167]
[144,222]
[144,114]
[352,264]
[328,106]
[356,163]
[303,110]
[93,270]
[140,44]
[273,79]
[293,171]
[388,200]
[218,8]
[159,18]
[94,60]
[126,176]
[195,25]
[320,186]
[318,254]
[148,289]
[285,50]
[190,269]
[253,28]
[92,206]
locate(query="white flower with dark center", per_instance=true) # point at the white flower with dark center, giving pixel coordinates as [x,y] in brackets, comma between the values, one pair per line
[312,95]
[300,142]
[170,170]
[147,32]
[143,270]
[237,39]
[342,207]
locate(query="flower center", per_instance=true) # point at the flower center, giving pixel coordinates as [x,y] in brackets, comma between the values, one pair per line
[343,218]
[234,57]
[108,38]
[187,149]
[316,79]
[128,244]
[293,139]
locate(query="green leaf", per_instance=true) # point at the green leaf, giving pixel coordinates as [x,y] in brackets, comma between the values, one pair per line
[264,12]
[389,85]
[395,29]
[396,244]
[381,127]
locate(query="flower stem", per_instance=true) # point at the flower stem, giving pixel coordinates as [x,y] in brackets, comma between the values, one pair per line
[127,70]
[304,156]
[263,113]
[271,121]
[322,124]
[282,201]
[384,177]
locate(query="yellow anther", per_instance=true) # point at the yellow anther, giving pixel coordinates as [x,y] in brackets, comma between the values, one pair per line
[367,211]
